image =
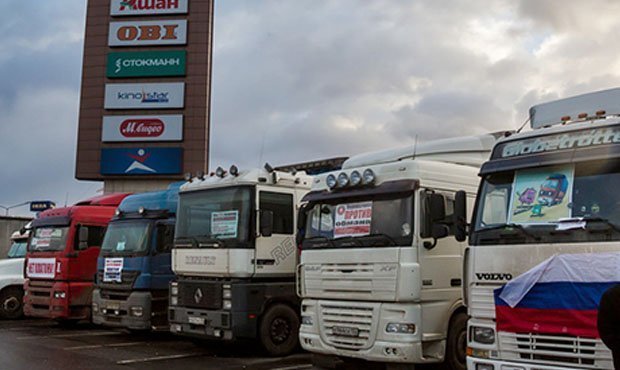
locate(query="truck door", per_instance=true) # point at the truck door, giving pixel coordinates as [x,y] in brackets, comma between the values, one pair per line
[161,268]
[85,266]
[275,254]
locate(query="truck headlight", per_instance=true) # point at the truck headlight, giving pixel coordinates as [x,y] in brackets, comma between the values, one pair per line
[482,335]
[95,307]
[400,328]
[306,320]
[174,289]
[136,311]
[485,367]
[227,304]
[60,295]
[226,294]
[174,301]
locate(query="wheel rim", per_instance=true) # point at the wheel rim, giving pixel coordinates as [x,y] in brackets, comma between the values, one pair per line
[11,304]
[280,330]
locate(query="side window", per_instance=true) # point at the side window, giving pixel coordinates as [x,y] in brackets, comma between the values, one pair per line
[165,238]
[95,236]
[282,207]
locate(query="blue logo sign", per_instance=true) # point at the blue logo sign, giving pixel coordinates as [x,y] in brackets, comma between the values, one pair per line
[41,205]
[141,161]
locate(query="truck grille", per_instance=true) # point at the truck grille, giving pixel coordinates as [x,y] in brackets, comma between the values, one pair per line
[40,294]
[356,320]
[114,290]
[554,350]
[363,281]
[200,294]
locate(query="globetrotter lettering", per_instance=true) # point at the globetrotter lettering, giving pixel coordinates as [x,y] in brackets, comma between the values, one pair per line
[146,62]
[147,32]
[149,4]
[563,141]
[200,260]
[142,128]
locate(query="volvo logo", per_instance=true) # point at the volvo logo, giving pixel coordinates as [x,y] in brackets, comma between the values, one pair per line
[198,295]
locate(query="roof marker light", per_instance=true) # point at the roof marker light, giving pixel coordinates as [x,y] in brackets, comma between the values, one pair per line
[582,115]
[188,176]
[220,172]
[234,170]
[141,210]
[200,175]
[600,112]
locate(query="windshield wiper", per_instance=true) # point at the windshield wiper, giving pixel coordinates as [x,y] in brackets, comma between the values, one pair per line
[208,239]
[316,238]
[513,226]
[384,236]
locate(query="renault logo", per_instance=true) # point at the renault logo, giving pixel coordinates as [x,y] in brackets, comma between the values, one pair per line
[197,295]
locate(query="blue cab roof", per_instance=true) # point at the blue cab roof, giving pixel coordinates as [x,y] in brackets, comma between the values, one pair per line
[153,201]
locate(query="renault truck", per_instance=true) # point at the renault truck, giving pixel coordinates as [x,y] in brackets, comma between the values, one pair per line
[381,254]
[12,276]
[134,267]
[61,261]
[572,155]
[234,257]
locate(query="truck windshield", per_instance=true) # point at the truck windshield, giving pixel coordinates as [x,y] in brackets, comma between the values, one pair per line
[577,202]
[49,239]
[359,222]
[126,237]
[216,217]
[18,248]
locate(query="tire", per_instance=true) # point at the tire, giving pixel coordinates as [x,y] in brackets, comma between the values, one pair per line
[279,330]
[11,303]
[456,344]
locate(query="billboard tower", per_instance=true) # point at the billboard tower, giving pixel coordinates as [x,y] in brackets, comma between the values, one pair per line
[146,85]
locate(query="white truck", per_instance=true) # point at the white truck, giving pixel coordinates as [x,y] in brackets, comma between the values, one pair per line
[547,192]
[380,272]
[12,276]
[234,257]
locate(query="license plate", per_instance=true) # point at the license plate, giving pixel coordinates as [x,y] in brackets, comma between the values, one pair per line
[113,306]
[345,331]
[196,320]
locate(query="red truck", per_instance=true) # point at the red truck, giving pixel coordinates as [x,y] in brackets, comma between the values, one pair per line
[61,262]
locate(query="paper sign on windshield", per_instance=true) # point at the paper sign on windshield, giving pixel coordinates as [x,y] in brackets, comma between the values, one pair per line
[42,268]
[112,270]
[352,219]
[224,224]
[542,195]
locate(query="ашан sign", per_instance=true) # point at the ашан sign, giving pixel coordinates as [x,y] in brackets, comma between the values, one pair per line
[161,32]
[147,7]
[142,128]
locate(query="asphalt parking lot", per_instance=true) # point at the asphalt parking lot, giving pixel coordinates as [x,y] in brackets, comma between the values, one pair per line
[41,344]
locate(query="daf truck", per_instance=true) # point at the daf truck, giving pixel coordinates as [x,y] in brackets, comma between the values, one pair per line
[134,267]
[380,272]
[61,261]
[12,276]
[571,158]
[234,256]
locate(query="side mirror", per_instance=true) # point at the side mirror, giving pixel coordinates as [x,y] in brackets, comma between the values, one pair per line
[83,238]
[266,223]
[302,218]
[435,212]
[460,216]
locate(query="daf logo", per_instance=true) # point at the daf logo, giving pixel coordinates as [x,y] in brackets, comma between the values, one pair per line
[198,295]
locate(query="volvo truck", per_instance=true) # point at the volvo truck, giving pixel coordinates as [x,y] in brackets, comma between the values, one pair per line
[61,261]
[380,272]
[12,276]
[571,158]
[234,256]
[134,267]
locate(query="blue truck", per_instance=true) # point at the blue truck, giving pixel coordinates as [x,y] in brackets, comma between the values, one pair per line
[134,266]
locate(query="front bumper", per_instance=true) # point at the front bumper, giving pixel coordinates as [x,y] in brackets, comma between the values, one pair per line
[40,299]
[474,363]
[212,324]
[374,345]
[117,313]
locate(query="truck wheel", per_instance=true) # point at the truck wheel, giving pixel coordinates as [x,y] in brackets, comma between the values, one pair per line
[11,303]
[456,344]
[279,330]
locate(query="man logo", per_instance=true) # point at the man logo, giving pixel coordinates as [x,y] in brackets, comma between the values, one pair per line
[198,295]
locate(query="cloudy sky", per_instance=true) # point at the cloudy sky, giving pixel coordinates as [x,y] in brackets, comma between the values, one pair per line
[308,79]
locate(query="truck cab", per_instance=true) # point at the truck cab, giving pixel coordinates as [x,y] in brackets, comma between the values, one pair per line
[234,256]
[12,276]
[62,258]
[134,268]
[381,254]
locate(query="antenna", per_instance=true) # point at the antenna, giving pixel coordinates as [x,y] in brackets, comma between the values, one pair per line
[523,125]
[66,198]
[415,144]
[262,149]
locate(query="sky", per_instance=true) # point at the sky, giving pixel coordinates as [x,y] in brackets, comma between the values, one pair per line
[309,79]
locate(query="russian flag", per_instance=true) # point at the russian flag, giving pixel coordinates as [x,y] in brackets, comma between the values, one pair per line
[560,296]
